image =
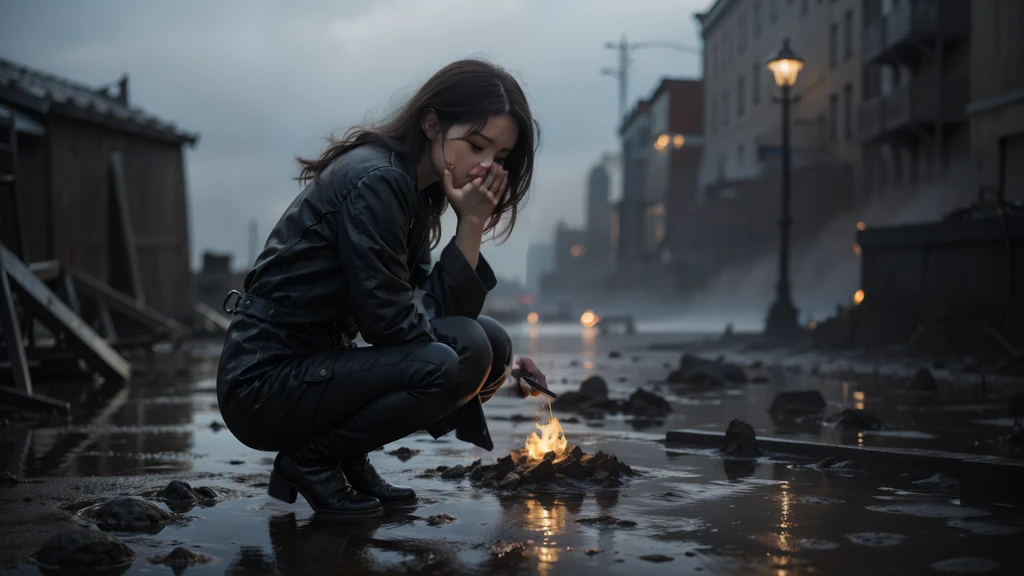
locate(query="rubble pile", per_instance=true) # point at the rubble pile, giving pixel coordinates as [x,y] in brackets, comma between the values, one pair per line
[569,468]
[697,370]
[591,401]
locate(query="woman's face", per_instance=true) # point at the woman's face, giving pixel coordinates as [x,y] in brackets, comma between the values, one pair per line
[466,147]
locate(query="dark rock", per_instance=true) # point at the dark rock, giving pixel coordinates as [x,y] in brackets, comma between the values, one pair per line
[477,474]
[455,473]
[216,426]
[542,472]
[8,479]
[574,363]
[800,402]
[79,548]
[623,379]
[850,420]
[644,403]
[657,558]
[570,401]
[740,440]
[181,558]
[594,387]
[571,453]
[606,520]
[178,491]
[236,462]
[571,420]
[131,515]
[591,551]
[439,519]
[924,381]
[511,481]
[403,453]
[615,354]
[703,377]
[549,455]
[571,469]
[605,478]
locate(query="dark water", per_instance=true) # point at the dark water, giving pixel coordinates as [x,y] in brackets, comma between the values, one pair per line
[707,514]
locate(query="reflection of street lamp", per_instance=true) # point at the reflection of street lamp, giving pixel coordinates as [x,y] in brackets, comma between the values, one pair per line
[782,323]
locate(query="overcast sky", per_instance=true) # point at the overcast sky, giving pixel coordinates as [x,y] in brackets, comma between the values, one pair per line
[265,81]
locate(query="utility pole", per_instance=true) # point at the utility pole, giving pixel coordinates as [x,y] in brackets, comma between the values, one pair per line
[625,50]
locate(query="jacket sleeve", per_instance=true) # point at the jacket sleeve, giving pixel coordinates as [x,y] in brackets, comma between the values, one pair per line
[373,227]
[456,288]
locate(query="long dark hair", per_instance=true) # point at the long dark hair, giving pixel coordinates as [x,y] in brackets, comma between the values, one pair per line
[463,92]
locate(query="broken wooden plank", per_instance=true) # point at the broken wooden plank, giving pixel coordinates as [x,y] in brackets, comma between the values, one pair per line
[124,304]
[124,253]
[32,402]
[12,332]
[45,306]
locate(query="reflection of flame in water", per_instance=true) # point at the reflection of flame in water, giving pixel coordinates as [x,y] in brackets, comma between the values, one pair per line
[551,438]
[550,521]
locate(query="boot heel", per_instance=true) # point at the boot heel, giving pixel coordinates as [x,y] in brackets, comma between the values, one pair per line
[281,489]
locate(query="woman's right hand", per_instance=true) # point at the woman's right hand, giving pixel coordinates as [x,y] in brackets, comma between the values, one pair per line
[475,202]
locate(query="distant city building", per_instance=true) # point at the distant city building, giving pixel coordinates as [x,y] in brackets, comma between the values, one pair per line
[598,216]
[540,259]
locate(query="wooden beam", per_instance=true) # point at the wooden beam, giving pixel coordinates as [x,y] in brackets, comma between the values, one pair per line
[124,252]
[12,332]
[124,304]
[42,303]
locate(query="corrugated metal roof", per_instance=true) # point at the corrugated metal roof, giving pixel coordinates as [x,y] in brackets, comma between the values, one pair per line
[41,89]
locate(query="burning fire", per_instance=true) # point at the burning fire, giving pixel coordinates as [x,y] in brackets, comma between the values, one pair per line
[551,438]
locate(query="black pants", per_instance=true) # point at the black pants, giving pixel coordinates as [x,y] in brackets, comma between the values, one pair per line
[379,394]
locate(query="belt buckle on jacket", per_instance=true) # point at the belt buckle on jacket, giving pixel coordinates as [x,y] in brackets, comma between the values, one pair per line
[238,298]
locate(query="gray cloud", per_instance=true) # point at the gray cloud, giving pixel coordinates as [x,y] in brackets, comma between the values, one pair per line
[266,81]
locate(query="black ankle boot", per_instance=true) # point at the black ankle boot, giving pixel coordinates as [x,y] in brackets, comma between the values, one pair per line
[323,485]
[366,480]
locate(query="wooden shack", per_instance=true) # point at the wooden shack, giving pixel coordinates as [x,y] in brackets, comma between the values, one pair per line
[69,207]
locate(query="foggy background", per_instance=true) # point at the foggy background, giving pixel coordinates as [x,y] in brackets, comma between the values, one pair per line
[263,82]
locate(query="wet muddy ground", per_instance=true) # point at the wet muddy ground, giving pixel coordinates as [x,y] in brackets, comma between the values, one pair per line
[694,512]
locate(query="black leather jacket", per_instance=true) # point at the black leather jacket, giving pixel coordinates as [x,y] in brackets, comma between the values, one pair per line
[352,254]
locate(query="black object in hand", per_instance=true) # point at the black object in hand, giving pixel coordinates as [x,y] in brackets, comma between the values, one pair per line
[535,384]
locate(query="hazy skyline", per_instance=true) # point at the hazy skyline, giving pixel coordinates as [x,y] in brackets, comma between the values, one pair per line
[263,82]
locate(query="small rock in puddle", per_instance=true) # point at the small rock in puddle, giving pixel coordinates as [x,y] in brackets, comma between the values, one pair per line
[876,539]
[591,400]
[740,440]
[518,469]
[701,371]
[813,544]
[181,558]
[657,558]
[178,491]
[851,420]
[79,548]
[799,402]
[606,520]
[439,519]
[966,565]
[403,453]
[131,515]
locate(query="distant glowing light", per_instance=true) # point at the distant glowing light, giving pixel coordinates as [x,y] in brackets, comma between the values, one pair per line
[813,325]
[857,250]
[532,318]
[678,140]
[858,297]
[577,250]
[861,226]
[589,319]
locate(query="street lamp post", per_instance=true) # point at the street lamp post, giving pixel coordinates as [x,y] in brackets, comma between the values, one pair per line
[782,321]
[622,72]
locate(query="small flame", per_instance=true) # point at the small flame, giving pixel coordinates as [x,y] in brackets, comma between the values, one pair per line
[551,438]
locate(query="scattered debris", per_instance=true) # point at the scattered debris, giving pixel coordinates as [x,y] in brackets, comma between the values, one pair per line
[696,370]
[178,491]
[439,519]
[800,402]
[236,462]
[644,403]
[216,426]
[851,420]
[517,469]
[79,548]
[403,453]
[591,551]
[592,401]
[924,381]
[181,558]
[8,479]
[657,558]
[131,515]
[740,440]
[606,520]
[615,354]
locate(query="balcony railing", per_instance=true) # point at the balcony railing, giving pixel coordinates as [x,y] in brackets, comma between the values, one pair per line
[920,101]
[914,19]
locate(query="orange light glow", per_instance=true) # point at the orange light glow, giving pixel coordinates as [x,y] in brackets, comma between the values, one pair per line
[812,325]
[551,438]
[856,249]
[589,319]
[577,250]
[532,318]
[858,297]
[678,140]
[861,226]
